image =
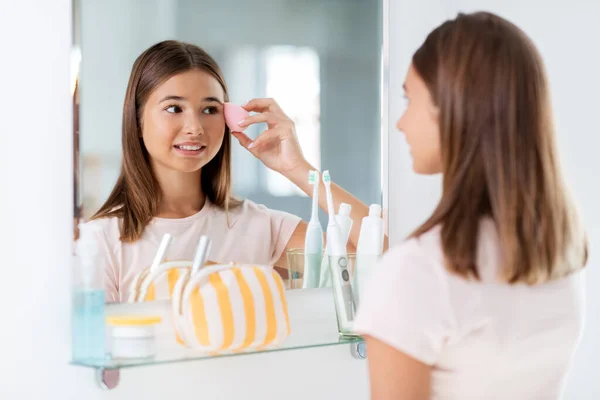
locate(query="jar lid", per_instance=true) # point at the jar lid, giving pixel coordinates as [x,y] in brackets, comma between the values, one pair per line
[135,320]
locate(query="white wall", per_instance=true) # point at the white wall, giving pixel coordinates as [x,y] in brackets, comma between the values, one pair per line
[566,33]
[412,197]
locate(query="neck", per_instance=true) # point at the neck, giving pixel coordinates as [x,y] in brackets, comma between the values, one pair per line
[181,193]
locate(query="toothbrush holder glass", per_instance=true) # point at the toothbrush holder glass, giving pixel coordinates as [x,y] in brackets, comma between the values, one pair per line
[322,278]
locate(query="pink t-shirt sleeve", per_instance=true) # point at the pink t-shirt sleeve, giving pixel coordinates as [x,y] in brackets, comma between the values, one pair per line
[405,304]
[283,225]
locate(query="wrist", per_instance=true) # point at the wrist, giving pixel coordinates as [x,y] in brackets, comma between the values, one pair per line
[299,174]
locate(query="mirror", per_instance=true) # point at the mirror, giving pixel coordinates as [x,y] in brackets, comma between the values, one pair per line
[319,60]
[315,66]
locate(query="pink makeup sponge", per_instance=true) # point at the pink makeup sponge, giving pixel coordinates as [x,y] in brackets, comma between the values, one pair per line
[233,115]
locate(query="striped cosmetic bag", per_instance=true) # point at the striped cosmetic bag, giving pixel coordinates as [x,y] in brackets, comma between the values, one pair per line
[229,308]
[158,284]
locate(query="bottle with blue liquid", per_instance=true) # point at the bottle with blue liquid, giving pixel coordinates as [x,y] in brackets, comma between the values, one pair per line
[88,309]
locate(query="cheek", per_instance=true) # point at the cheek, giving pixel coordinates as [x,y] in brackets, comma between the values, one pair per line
[214,131]
[161,128]
[159,131]
[429,148]
[432,135]
[214,125]
[422,135]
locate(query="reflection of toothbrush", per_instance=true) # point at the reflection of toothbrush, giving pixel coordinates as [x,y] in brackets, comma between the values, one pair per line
[313,244]
[158,259]
[201,254]
[342,289]
[162,251]
[200,258]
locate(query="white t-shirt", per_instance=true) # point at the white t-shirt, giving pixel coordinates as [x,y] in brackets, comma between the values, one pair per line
[253,234]
[484,340]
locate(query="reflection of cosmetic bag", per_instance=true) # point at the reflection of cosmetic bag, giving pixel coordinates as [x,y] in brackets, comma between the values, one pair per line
[231,308]
[158,284]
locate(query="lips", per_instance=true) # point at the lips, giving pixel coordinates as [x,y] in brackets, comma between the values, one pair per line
[189,147]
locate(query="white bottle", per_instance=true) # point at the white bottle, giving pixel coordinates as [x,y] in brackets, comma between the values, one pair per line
[344,221]
[368,250]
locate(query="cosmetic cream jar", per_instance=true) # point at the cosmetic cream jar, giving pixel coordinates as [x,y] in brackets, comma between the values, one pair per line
[133,336]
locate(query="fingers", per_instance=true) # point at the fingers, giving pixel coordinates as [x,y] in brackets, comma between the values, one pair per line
[266,139]
[269,117]
[262,105]
[263,141]
[244,140]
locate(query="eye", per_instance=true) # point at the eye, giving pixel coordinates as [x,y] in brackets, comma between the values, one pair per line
[210,110]
[173,109]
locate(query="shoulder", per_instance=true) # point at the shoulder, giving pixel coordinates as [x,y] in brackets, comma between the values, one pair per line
[423,253]
[107,229]
[406,303]
[414,268]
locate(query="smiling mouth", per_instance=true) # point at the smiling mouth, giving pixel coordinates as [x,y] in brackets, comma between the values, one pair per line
[187,147]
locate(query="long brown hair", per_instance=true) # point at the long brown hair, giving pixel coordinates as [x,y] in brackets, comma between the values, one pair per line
[136,195]
[498,151]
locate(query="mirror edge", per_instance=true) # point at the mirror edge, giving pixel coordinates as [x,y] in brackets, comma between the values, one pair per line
[384,112]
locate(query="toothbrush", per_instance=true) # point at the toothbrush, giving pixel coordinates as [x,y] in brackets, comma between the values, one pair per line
[338,264]
[162,250]
[200,257]
[313,244]
[201,254]
[158,259]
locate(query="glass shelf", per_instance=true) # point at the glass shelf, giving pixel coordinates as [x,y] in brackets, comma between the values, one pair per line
[168,353]
[312,318]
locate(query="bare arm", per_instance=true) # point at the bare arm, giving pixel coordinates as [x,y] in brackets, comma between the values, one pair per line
[278,149]
[395,375]
[299,176]
[296,242]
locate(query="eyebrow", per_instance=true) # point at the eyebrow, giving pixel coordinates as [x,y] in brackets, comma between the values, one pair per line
[179,98]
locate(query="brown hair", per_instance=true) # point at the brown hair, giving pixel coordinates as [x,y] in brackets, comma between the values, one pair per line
[136,195]
[498,151]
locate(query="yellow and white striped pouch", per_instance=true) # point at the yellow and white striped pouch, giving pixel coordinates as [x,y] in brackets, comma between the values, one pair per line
[231,308]
[159,284]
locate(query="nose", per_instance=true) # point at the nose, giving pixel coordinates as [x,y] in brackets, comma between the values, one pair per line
[401,123]
[194,126]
